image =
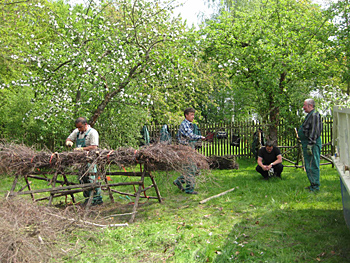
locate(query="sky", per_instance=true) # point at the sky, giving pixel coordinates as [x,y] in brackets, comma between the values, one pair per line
[191,9]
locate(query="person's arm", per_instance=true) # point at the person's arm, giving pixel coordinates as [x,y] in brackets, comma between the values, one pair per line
[264,167]
[91,147]
[69,142]
[278,155]
[71,138]
[187,132]
[278,160]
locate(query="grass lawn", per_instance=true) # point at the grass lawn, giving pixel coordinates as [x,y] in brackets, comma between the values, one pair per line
[260,221]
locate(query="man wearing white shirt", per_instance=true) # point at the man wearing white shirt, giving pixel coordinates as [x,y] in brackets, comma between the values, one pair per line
[86,139]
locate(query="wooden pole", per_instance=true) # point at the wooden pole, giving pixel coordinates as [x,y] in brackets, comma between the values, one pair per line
[137,199]
[133,195]
[215,196]
[14,183]
[48,179]
[59,189]
[29,188]
[104,177]
[53,183]
[66,182]
[156,188]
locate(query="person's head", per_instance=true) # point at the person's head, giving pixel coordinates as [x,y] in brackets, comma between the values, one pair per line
[189,114]
[81,124]
[309,105]
[269,146]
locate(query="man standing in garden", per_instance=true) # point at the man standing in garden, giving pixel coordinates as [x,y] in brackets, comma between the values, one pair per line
[310,137]
[269,161]
[186,136]
[86,139]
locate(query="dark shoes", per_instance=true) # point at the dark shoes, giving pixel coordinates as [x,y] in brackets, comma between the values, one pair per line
[312,190]
[97,203]
[179,185]
[94,203]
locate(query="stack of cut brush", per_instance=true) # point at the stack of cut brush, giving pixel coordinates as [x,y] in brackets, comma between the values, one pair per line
[21,159]
[223,162]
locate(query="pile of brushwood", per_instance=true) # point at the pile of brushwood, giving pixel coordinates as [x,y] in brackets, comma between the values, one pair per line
[20,159]
[33,233]
[223,162]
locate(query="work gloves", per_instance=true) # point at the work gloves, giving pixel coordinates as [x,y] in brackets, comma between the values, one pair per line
[309,149]
[69,143]
[78,149]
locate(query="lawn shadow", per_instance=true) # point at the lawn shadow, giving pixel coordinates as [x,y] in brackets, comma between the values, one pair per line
[291,235]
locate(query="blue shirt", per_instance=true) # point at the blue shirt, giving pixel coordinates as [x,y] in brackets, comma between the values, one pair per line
[185,133]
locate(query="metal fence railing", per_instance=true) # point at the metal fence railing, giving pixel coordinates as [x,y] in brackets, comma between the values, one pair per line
[245,131]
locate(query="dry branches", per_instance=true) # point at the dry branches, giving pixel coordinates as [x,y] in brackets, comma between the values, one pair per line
[32,233]
[23,160]
[223,162]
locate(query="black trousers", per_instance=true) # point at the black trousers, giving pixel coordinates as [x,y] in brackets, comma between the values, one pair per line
[278,168]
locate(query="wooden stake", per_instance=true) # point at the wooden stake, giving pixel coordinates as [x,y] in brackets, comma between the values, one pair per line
[212,197]
[137,199]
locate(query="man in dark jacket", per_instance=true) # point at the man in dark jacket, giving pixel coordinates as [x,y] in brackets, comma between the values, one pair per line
[310,137]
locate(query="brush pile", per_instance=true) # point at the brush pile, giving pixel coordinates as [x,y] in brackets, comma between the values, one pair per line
[20,159]
[223,162]
[33,233]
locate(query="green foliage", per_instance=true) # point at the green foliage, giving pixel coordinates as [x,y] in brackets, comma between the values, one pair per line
[341,44]
[105,60]
[121,127]
[112,57]
[268,55]
[17,28]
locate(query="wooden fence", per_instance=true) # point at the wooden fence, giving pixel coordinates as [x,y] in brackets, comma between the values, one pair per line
[245,130]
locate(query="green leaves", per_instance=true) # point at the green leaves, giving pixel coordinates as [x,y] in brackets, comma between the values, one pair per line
[106,58]
[269,52]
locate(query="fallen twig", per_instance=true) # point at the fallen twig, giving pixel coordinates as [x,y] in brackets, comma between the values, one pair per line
[125,214]
[212,197]
[89,223]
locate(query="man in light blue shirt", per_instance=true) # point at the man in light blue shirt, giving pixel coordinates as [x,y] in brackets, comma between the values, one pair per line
[186,136]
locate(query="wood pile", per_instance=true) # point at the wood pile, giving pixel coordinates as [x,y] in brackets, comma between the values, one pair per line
[223,162]
[22,160]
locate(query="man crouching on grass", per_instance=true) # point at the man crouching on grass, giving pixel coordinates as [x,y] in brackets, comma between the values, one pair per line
[269,161]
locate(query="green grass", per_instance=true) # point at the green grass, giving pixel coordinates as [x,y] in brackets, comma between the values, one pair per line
[260,221]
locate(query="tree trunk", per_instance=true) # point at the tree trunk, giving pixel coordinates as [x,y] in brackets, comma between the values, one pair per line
[274,120]
[275,111]
[108,97]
